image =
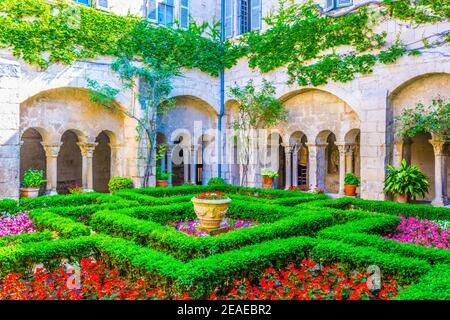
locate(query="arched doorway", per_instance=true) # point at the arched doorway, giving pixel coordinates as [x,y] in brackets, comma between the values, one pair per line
[332,165]
[276,158]
[69,163]
[32,154]
[300,155]
[102,163]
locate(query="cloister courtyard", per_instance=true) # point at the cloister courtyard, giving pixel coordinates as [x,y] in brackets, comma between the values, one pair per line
[296,151]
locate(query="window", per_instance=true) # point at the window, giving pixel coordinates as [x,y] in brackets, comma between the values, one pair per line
[229,18]
[336,4]
[102,4]
[85,2]
[184,14]
[161,11]
[165,12]
[249,15]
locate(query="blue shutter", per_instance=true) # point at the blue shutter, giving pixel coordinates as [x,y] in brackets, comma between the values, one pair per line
[184,14]
[229,21]
[169,12]
[329,5]
[255,14]
[151,10]
[343,3]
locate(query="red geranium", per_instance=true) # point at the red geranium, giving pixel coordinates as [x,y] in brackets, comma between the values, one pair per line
[215,195]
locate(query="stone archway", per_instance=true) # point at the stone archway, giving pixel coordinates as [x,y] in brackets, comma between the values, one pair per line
[102,163]
[32,154]
[332,165]
[300,158]
[430,155]
[69,163]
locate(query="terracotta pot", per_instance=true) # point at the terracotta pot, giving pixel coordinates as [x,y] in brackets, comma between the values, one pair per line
[350,189]
[29,192]
[404,198]
[267,182]
[162,183]
[210,212]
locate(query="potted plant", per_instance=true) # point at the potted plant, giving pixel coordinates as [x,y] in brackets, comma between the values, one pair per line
[162,177]
[406,182]
[210,208]
[31,183]
[351,182]
[268,175]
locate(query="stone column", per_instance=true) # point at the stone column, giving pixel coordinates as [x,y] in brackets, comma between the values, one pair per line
[116,160]
[288,160]
[194,151]
[342,155]
[295,166]
[87,152]
[186,163]
[349,158]
[51,153]
[440,173]
[169,163]
[316,165]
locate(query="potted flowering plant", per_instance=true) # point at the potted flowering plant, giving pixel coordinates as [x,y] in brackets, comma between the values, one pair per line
[268,175]
[210,208]
[351,182]
[406,182]
[162,177]
[32,181]
[75,188]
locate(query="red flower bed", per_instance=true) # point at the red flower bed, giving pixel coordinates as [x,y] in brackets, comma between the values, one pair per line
[310,282]
[215,195]
[94,281]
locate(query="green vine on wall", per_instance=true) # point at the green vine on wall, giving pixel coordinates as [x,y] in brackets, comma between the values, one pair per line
[303,38]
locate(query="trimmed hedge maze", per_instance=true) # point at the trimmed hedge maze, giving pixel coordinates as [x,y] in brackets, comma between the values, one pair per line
[129,231]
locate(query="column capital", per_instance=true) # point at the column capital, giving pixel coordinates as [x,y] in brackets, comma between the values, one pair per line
[52,149]
[438,146]
[346,148]
[287,147]
[87,149]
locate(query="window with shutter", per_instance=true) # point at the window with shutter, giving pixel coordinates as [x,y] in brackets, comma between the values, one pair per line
[184,14]
[255,14]
[229,21]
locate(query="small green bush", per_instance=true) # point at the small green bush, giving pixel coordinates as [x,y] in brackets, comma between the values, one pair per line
[119,183]
[217,182]
[33,178]
[350,178]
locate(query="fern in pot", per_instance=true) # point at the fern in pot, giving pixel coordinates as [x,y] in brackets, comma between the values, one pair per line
[406,182]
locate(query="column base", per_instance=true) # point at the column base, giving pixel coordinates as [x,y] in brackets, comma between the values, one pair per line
[438,202]
[88,190]
[51,192]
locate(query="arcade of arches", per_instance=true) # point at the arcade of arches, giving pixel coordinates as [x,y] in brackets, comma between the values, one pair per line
[77,142]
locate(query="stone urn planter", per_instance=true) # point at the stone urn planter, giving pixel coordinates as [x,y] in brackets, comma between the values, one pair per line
[210,208]
[267,182]
[350,190]
[29,192]
[162,183]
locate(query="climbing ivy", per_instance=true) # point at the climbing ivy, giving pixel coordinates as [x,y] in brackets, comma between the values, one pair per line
[301,37]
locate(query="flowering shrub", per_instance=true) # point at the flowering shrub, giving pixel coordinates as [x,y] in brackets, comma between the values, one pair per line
[75,188]
[211,196]
[311,282]
[189,226]
[16,224]
[424,232]
[95,281]
[301,188]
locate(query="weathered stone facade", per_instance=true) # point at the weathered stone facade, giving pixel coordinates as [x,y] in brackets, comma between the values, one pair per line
[331,129]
